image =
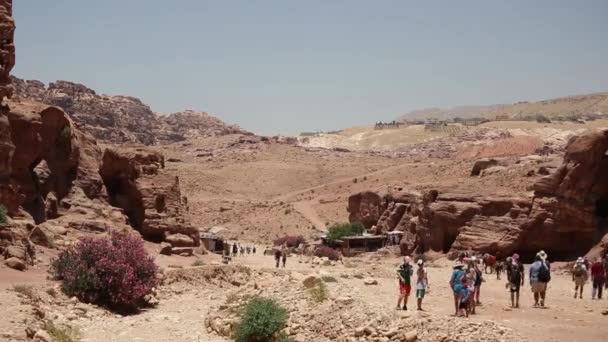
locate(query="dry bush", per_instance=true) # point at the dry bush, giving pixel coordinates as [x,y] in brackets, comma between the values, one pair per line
[62,333]
[25,290]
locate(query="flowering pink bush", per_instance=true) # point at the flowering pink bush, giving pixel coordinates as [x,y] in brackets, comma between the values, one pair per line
[117,272]
[290,240]
[325,251]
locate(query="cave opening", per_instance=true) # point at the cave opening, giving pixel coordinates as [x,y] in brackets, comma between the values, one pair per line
[124,195]
[448,241]
[601,208]
[33,203]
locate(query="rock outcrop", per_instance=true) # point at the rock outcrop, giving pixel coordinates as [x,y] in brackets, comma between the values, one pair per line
[137,182]
[120,119]
[566,216]
[7,47]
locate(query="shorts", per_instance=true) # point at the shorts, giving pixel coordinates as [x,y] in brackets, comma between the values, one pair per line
[580,281]
[405,289]
[420,293]
[514,287]
[538,286]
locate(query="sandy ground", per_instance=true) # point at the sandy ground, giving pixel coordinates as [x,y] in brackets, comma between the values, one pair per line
[180,317]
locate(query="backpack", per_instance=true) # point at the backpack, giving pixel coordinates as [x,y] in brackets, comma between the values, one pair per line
[579,271]
[458,280]
[405,272]
[514,273]
[544,275]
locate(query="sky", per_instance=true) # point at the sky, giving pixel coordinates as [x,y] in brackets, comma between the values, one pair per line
[286,66]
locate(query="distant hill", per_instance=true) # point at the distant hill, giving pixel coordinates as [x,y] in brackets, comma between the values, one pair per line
[121,119]
[563,106]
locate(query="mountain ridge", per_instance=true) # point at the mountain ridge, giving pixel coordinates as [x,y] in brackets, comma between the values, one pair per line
[583,104]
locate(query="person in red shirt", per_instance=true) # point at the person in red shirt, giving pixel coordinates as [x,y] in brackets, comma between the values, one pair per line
[598,277]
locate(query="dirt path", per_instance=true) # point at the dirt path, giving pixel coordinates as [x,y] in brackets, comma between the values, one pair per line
[290,195]
[308,212]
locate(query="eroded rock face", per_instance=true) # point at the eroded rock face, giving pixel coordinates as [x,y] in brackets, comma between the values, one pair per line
[120,119]
[51,156]
[566,217]
[136,182]
[365,207]
[575,197]
[7,47]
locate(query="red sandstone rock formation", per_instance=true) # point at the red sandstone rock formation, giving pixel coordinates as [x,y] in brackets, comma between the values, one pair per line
[151,198]
[121,119]
[567,216]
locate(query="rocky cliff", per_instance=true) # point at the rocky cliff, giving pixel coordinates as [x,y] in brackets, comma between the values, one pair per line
[120,119]
[567,215]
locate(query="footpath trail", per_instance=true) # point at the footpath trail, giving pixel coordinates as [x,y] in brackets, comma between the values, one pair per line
[308,212]
[564,318]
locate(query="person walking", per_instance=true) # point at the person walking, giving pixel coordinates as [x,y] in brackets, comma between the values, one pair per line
[579,277]
[422,283]
[478,281]
[284,255]
[277,256]
[457,283]
[253,250]
[235,250]
[539,277]
[598,278]
[515,277]
[470,284]
[404,273]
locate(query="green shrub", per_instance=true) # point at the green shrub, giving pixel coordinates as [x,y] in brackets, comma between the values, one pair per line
[339,231]
[198,262]
[65,136]
[62,333]
[3,213]
[261,320]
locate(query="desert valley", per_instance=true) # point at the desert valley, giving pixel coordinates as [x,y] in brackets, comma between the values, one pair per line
[477,180]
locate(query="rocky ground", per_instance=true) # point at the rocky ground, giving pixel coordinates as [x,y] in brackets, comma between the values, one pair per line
[200,304]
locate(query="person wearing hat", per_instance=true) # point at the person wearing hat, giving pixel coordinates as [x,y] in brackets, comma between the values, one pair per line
[404,273]
[539,276]
[579,277]
[457,281]
[515,277]
[422,283]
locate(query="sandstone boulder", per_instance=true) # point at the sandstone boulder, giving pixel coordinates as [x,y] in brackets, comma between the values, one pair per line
[15,263]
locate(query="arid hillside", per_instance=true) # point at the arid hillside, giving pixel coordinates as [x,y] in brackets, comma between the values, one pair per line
[588,104]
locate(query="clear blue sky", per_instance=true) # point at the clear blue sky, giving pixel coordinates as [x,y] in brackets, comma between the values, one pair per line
[290,66]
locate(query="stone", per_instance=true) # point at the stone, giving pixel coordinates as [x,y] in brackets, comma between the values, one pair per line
[370,281]
[180,240]
[15,263]
[344,300]
[359,331]
[165,248]
[411,336]
[42,336]
[182,251]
